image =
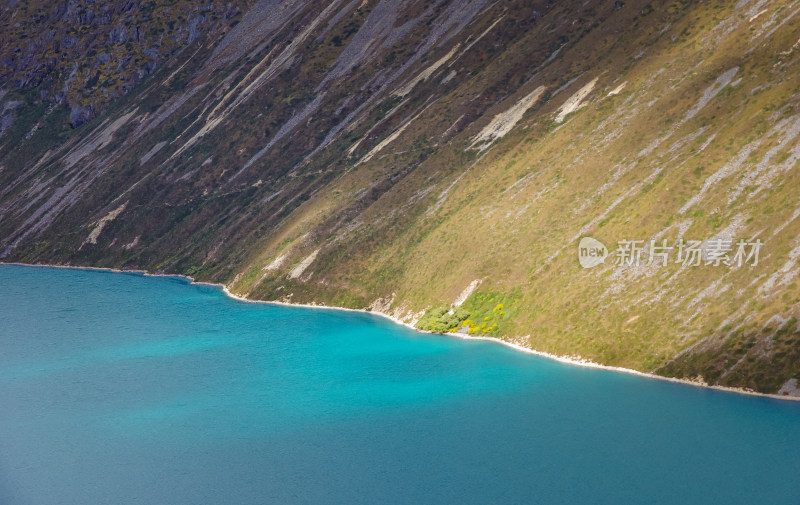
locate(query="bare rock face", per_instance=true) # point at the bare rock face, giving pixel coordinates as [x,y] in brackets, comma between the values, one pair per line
[79,115]
[789,388]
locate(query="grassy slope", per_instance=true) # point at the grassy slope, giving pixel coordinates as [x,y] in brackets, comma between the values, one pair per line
[639,318]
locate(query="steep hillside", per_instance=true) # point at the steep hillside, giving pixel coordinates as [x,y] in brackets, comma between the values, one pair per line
[85,54]
[440,161]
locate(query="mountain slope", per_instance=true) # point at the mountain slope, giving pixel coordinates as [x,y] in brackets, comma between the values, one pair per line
[406,156]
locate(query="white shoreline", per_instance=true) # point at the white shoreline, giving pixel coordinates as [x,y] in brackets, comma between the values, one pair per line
[561,359]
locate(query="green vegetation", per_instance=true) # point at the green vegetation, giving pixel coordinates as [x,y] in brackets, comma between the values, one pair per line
[483,313]
[442,319]
[491,313]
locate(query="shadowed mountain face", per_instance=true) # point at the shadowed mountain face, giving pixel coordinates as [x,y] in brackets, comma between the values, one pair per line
[415,156]
[85,54]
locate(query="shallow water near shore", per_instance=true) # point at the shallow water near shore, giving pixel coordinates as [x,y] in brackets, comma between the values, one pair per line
[121,388]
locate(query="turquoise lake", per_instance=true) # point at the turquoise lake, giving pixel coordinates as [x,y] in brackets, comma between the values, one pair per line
[117,388]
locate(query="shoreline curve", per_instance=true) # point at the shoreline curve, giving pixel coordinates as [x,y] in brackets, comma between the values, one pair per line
[561,359]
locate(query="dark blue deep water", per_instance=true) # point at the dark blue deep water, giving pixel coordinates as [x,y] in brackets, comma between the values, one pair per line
[124,389]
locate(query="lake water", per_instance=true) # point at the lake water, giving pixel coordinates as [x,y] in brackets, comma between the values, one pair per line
[125,389]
